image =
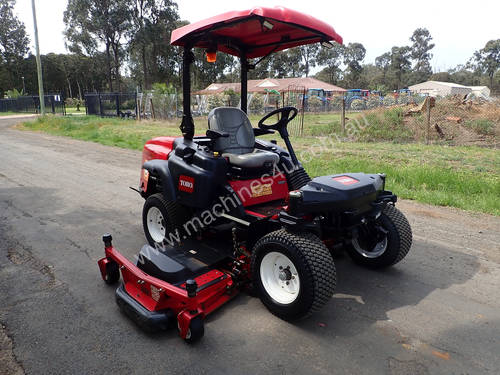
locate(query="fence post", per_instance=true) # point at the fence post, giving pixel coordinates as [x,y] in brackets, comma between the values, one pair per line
[100,105]
[117,105]
[342,120]
[428,118]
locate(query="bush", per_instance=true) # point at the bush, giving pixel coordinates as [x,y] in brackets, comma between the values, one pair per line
[373,102]
[256,103]
[314,104]
[389,101]
[481,126]
[387,125]
[358,105]
[215,100]
[74,102]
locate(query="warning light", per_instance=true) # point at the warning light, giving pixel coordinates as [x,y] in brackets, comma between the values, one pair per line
[211,56]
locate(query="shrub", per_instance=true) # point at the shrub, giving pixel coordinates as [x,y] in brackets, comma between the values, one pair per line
[358,105]
[389,100]
[481,126]
[256,103]
[215,100]
[314,104]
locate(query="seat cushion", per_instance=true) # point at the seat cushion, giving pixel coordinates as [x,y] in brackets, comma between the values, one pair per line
[254,159]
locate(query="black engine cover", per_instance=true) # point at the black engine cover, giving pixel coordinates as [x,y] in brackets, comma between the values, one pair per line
[351,192]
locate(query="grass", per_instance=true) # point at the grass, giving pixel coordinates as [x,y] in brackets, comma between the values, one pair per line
[466,177]
[481,126]
[12,113]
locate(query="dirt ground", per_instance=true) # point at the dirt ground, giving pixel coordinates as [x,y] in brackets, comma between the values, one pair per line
[437,312]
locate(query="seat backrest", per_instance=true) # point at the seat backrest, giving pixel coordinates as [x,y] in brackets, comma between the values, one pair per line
[235,122]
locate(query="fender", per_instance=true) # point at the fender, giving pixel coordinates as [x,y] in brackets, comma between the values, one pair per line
[159,169]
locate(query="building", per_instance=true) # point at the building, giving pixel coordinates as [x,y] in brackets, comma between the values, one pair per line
[480,91]
[276,84]
[436,88]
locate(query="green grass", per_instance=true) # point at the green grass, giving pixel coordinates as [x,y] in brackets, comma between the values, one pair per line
[481,126]
[12,113]
[465,177]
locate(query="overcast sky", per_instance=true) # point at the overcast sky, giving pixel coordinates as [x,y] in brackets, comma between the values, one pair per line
[458,27]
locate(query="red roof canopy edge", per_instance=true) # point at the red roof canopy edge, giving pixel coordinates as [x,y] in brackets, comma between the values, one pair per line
[246,28]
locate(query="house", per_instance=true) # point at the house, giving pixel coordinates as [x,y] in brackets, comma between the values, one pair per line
[277,85]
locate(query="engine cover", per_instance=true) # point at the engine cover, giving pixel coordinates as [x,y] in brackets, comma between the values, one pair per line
[351,192]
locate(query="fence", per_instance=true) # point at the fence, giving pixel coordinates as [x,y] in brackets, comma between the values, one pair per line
[54,103]
[111,104]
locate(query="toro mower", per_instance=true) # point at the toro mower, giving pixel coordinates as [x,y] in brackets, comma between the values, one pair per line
[228,211]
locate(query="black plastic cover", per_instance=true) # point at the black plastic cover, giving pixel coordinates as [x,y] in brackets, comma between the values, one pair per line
[339,193]
[201,172]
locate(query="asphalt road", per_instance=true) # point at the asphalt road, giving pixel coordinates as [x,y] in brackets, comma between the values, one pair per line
[437,312]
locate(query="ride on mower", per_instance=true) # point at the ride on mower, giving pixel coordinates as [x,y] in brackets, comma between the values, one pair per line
[227,211]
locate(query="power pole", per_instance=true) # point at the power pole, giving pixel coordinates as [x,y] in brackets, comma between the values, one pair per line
[38,62]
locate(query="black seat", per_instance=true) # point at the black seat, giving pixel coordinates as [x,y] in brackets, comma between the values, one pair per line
[239,147]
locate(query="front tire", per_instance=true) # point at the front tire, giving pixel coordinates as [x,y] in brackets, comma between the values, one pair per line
[382,243]
[293,273]
[162,220]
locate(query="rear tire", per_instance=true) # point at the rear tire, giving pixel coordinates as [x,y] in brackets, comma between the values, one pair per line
[304,283]
[162,220]
[390,248]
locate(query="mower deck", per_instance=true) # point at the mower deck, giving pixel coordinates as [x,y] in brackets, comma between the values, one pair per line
[154,303]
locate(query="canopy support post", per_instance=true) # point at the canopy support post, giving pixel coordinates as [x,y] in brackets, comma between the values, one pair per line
[244,83]
[187,124]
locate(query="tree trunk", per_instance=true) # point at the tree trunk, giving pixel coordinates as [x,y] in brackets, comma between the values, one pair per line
[108,62]
[145,68]
[117,65]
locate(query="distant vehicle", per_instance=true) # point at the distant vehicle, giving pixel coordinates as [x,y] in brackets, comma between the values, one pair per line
[354,94]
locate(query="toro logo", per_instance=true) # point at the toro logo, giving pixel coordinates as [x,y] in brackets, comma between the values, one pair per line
[345,180]
[186,184]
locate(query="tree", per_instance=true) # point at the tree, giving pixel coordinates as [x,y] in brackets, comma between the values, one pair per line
[13,46]
[92,23]
[487,59]
[383,62]
[354,54]
[287,64]
[307,56]
[400,64]
[153,21]
[332,59]
[420,53]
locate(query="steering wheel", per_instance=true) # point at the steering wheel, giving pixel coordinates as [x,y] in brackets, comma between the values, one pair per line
[287,115]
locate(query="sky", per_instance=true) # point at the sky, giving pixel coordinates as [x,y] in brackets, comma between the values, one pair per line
[458,27]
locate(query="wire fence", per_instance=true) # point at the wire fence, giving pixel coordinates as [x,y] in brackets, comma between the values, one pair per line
[54,103]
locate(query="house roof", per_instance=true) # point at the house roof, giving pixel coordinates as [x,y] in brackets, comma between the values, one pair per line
[278,84]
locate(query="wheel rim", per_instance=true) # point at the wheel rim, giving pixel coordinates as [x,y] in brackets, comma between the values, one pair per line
[280,277]
[370,252]
[156,224]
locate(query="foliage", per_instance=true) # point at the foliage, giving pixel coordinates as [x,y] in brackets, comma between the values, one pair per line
[162,88]
[257,103]
[216,100]
[13,47]
[487,59]
[385,125]
[314,104]
[481,126]
[13,94]
[358,105]
[74,102]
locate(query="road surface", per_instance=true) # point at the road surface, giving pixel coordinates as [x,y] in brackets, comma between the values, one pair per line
[437,312]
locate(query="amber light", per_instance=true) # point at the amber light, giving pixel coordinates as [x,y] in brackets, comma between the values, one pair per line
[211,56]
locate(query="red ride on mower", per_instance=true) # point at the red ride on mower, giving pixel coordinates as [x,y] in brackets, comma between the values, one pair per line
[227,211]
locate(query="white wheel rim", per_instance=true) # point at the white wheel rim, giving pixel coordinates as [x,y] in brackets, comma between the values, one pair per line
[377,250]
[156,224]
[280,277]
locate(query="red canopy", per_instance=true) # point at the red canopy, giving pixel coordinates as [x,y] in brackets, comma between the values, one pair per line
[247,29]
